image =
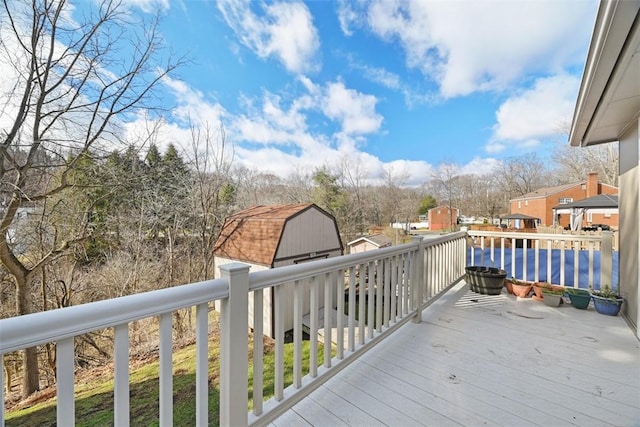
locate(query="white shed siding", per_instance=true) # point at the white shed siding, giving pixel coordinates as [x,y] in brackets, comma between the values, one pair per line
[309,232]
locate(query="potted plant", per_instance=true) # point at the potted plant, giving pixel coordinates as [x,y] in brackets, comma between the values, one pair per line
[485,280]
[508,283]
[552,296]
[580,298]
[538,288]
[520,288]
[607,301]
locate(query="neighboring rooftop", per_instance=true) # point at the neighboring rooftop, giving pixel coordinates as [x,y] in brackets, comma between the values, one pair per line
[599,201]
[379,240]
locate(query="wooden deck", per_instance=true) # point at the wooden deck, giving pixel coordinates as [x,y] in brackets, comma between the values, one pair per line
[487,360]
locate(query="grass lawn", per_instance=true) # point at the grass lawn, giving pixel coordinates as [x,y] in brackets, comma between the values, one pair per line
[94,393]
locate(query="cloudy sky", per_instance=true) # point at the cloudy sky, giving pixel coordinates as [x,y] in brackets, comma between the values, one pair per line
[393,85]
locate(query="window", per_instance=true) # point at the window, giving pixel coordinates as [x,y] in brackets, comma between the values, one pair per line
[526,203]
[589,217]
[565,200]
[519,204]
[607,215]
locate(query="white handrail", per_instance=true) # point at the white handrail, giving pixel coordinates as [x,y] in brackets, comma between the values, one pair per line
[405,270]
[28,331]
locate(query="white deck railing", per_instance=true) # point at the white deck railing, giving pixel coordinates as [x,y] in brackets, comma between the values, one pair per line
[386,288]
[543,256]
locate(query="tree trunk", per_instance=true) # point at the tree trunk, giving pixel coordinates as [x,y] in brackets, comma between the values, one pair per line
[30,373]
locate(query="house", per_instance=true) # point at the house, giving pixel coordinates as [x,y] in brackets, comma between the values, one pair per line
[591,212]
[273,236]
[369,243]
[442,217]
[539,203]
[608,110]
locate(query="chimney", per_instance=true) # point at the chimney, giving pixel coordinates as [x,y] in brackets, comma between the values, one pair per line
[592,184]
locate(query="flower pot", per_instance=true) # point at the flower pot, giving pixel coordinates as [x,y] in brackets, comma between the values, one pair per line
[580,298]
[538,287]
[552,300]
[485,280]
[509,284]
[607,306]
[521,289]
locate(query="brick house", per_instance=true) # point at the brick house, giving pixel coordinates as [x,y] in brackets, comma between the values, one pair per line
[540,203]
[442,217]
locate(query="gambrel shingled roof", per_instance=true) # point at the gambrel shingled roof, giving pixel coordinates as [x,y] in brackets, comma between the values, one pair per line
[253,235]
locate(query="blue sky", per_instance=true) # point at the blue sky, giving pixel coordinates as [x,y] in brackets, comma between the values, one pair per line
[393,86]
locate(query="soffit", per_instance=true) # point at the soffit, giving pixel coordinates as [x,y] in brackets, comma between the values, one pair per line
[609,99]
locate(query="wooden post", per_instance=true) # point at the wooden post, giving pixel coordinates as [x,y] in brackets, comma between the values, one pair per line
[606,259]
[234,336]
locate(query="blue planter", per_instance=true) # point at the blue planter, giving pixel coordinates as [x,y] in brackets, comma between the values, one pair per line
[607,306]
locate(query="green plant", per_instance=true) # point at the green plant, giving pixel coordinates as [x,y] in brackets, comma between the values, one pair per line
[575,291]
[552,291]
[605,292]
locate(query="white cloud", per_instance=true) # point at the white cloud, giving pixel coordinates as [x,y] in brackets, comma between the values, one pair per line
[354,110]
[480,166]
[149,6]
[285,31]
[466,47]
[537,112]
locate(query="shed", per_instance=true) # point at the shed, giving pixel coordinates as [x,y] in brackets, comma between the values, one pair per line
[368,243]
[273,236]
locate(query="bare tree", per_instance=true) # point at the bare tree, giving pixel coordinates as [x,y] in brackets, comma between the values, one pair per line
[522,175]
[213,192]
[446,181]
[72,87]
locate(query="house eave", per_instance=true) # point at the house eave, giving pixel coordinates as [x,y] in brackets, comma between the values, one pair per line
[612,62]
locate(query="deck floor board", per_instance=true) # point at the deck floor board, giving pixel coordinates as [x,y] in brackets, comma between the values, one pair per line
[478,360]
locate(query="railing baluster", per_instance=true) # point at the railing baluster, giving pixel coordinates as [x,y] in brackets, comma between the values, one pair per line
[66,412]
[502,250]
[562,261]
[278,315]
[339,284]
[297,334]
[313,328]
[258,362]
[387,291]
[202,365]
[352,308]
[394,290]
[513,257]
[328,308]
[362,296]
[549,260]
[576,263]
[591,265]
[166,370]
[524,259]
[370,299]
[121,415]
[536,262]
[379,293]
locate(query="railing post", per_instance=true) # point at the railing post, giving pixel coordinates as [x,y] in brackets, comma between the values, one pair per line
[234,337]
[417,282]
[606,259]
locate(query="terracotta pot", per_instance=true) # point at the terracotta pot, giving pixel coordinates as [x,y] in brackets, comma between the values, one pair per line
[509,285]
[521,289]
[537,289]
